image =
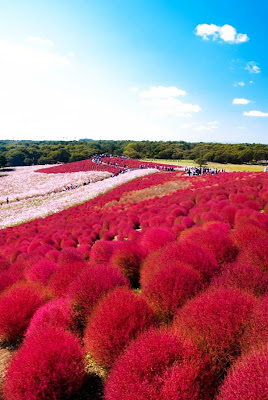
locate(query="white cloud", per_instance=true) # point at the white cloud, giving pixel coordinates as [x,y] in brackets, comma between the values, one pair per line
[250,82]
[207,126]
[164,102]
[27,58]
[162,92]
[241,83]
[255,113]
[240,101]
[227,33]
[253,68]
[134,89]
[170,107]
[42,41]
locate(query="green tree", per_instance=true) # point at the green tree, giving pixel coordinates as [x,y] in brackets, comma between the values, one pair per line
[3,161]
[15,158]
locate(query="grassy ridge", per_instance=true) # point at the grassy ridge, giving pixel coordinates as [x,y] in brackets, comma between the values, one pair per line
[226,167]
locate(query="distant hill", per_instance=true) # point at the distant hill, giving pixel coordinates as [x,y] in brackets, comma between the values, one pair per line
[14,153]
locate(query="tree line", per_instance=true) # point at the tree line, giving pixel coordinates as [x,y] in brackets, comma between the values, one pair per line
[19,153]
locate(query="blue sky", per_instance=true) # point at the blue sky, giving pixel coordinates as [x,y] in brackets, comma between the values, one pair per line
[134,69]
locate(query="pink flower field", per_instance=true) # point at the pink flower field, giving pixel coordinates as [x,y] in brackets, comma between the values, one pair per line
[45,195]
[24,182]
[154,288]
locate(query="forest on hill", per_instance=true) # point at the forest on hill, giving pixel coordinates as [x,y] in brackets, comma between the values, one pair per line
[19,153]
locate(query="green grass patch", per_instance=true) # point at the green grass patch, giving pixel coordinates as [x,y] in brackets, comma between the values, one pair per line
[226,167]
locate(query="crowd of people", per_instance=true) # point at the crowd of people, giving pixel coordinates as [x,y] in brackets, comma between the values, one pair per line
[98,158]
[190,171]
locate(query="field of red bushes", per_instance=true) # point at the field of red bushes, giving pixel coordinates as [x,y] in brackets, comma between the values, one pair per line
[77,166]
[140,294]
[113,165]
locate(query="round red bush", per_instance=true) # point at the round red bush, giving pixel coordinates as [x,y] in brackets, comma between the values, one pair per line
[116,320]
[154,238]
[180,252]
[246,233]
[69,268]
[8,278]
[4,264]
[17,306]
[215,240]
[228,214]
[92,284]
[236,275]
[247,379]
[256,253]
[56,313]
[160,366]
[41,271]
[215,321]
[149,266]
[170,287]
[256,332]
[128,256]
[47,366]
[68,256]
[101,252]
[53,255]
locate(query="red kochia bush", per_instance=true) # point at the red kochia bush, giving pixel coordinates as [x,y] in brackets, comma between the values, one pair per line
[159,366]
[256,253]
[154,238]
[215,321]
[101,251]
[68,256]
[256,333]
[246,233]
[116,320]
[17,306]
[149,266]
[41,271]
[128,256]
[47,366]
[70,266]
[4,264]
[180,252]
[170,287]
[92,283]
[8,278]
[56,313]
[53,255]
[247,379]
[243,276]
[215,239]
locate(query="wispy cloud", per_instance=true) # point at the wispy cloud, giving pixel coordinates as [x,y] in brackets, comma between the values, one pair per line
[240,101]
[253,68]
[162,92]
[28,58]
[255,113]
[241,83]
[163,101]
[171,107]
[207,126]
[226,33]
